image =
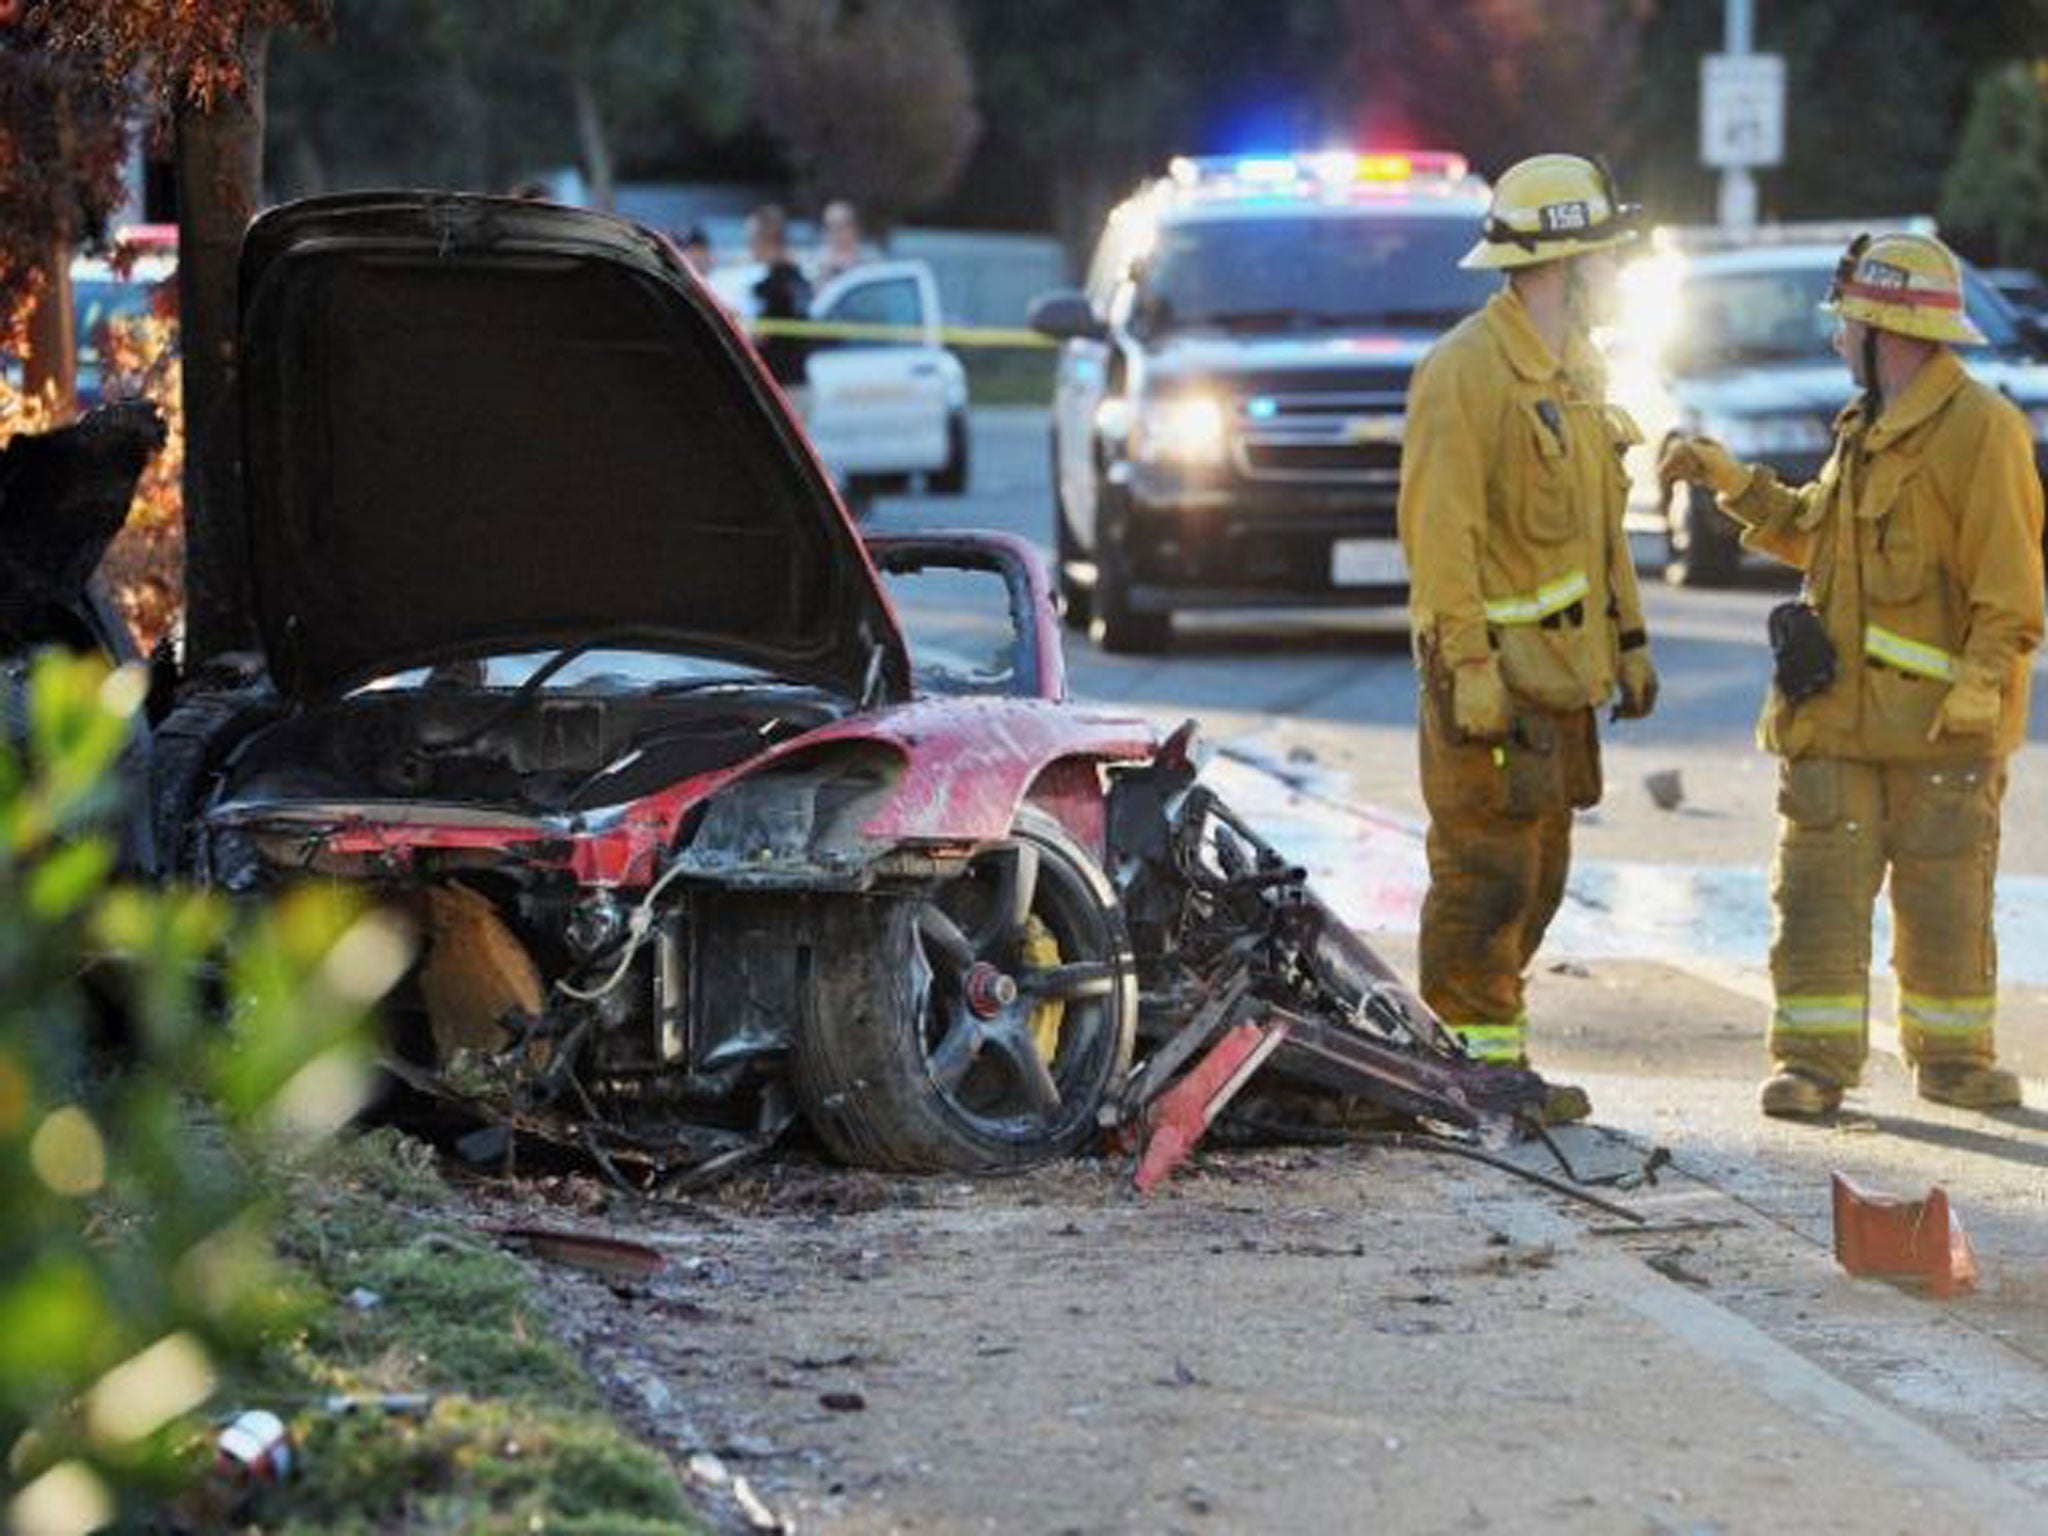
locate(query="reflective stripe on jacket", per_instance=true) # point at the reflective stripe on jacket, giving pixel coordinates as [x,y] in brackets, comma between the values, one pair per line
[1921,543]
[1512,493]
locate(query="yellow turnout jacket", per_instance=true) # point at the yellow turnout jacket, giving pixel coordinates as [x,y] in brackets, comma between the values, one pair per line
[1512,494]
[1921,543]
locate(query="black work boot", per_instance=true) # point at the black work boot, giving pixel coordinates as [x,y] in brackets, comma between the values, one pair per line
[1967,1084]
[1791,1093]
[1565,1104]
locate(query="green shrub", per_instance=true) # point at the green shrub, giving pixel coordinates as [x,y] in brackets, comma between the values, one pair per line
[136,1263]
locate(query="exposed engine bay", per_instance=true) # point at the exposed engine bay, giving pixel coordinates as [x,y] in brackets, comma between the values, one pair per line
[662,1017]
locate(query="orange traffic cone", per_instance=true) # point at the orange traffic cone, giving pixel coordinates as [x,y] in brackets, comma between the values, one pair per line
[1910,1242]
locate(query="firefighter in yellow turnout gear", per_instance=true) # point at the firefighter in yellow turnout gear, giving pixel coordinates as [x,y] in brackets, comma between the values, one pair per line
[1523,602]
[1921,544]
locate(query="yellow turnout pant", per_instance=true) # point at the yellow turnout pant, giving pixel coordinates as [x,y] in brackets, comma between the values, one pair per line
[1500,822]
[1842,826]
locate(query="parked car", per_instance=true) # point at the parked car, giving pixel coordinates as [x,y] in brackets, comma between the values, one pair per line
[1232,384]
[1733,342]
[888,406]
[888,401]
[2022,288]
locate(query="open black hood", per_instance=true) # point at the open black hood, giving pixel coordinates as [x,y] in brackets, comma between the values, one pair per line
[473,426]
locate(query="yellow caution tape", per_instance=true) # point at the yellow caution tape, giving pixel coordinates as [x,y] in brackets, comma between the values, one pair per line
[914,335]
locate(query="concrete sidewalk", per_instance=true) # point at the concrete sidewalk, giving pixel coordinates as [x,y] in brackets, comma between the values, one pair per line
[1362,1338]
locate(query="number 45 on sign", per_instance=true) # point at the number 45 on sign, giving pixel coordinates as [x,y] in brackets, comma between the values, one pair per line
[1742,109]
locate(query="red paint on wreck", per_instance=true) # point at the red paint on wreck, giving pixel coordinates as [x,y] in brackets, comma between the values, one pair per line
[968,765]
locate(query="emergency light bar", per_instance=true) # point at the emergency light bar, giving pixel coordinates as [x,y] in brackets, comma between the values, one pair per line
[1326,170]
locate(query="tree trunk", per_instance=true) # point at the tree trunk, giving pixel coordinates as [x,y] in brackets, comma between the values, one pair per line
[591,136]
[51,371]
[220,170]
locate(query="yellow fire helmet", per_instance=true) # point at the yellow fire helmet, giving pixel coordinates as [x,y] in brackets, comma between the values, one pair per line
[1548,207]
[1910,284]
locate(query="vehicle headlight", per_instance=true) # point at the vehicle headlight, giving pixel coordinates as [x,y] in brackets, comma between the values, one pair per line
[1751,437]
[797,812]
[1180,429]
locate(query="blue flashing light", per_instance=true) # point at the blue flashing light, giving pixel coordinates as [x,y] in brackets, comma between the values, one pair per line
[1262,408]
[1267,168]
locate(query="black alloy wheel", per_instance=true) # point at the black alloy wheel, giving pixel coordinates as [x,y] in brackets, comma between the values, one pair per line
[1006,1016]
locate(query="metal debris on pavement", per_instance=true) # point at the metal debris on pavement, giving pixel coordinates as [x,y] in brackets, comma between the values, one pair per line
[1666,787]
[1277,986]
[255,1448]
[609,1256]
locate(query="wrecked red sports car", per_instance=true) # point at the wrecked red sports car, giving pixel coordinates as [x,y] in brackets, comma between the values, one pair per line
[565,644]
[559,642]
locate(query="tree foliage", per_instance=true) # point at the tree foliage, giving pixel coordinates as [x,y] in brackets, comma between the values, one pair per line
[1086,98]
[480,93]
[63,127]
[62,135]
[1497,79]
[192,51]
[1995,197]
[860,110]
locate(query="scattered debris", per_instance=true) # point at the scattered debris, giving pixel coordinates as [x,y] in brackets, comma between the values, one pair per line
[362,1299]
[407,1405]
[1659,1157]
[1277,985]
[1666,787]
[1511,1258]
[842,1402]
[826,1362]
[1670,1263]
[1571,968]
[255,1449]
[712,1476]
[609,1256]
[1909,1242]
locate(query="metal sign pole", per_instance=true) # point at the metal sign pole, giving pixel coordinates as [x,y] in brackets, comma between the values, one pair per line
[1738,182]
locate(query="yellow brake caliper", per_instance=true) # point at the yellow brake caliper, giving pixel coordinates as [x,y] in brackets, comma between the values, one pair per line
[1041,951]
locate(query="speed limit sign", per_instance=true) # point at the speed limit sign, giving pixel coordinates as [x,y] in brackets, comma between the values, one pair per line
[1742,109]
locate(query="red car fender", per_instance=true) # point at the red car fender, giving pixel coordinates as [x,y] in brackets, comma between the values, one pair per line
[968,765]
[973,762]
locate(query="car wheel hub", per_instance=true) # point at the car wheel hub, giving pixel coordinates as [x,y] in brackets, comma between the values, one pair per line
[989,990]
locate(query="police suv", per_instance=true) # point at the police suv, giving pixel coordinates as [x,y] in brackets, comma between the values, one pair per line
[1228,413]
